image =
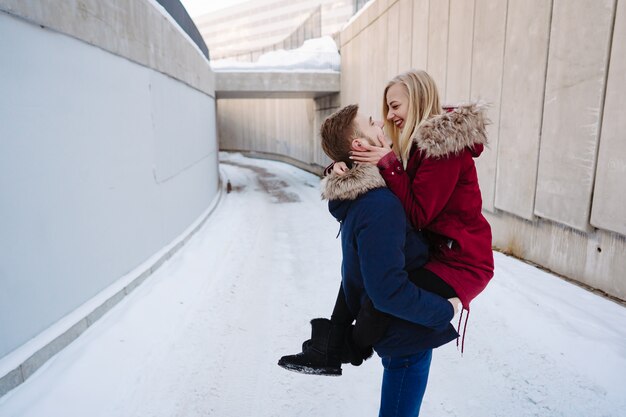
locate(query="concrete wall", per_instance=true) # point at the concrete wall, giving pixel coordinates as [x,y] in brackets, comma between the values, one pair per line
[554,72]
[609,198]
[108,154]
[282,129]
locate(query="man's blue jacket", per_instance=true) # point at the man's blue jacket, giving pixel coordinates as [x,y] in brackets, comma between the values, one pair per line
[379,246]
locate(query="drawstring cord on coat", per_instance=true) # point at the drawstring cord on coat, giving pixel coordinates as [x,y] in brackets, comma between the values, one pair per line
[458,329]
[341,221]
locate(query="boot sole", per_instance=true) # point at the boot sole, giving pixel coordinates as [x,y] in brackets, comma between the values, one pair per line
[301,369]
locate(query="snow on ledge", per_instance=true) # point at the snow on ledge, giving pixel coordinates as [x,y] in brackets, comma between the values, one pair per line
[319,55]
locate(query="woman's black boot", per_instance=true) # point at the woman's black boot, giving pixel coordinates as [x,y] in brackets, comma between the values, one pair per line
[322,354]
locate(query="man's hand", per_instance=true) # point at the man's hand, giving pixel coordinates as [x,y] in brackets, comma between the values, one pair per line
[340,168]
[371,154]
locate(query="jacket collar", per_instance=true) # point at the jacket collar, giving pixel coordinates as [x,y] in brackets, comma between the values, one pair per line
[349,186]
[449,133]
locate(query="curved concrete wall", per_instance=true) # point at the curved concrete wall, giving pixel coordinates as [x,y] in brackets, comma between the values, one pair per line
[554,72]
[108,152]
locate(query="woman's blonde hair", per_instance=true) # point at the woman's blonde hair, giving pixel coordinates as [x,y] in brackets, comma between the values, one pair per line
[423,104]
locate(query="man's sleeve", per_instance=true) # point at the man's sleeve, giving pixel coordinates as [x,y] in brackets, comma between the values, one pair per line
[381,235]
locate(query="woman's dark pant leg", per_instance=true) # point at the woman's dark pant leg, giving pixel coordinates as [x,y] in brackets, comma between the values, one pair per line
[341,313]
[428,281]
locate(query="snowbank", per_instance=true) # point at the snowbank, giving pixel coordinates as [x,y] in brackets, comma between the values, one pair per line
[318,54]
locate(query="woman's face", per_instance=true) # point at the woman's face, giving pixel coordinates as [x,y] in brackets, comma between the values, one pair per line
[398,103]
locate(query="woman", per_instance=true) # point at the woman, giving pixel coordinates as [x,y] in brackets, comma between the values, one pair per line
[431,170]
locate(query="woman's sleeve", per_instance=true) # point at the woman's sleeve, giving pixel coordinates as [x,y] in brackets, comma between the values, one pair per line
[329,169]
[426,196]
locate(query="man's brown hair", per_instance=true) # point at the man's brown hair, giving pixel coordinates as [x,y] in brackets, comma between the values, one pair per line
[337,131]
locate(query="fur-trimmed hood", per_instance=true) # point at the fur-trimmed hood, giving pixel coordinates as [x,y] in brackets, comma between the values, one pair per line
[357,181]
[449,133]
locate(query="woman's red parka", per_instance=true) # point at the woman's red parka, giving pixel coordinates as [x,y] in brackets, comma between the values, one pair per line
[440,194]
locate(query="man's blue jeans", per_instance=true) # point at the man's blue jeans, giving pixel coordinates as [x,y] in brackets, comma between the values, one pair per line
[404,384]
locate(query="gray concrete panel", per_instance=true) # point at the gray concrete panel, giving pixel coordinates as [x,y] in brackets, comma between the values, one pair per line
[609,197]
[136,30]
[350,75]
[487,62]
[438,42]
[347,72]
[250,84]
[356,76]
[577,65]
[459,60]
[406,32]
[421,13]
[373,71]
[372,66]
[376,10]
[392,49]
[525,55]
[359,48]
[383,34]
[346,35]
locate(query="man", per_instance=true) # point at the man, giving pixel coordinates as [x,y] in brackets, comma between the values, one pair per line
[378,247]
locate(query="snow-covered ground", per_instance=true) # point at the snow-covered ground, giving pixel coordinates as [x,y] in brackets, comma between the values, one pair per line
[201,337]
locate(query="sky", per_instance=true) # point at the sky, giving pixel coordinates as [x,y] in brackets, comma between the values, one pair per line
[199,7]
[202,335]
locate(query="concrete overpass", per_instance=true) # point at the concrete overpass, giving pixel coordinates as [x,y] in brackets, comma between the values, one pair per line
[285,84]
